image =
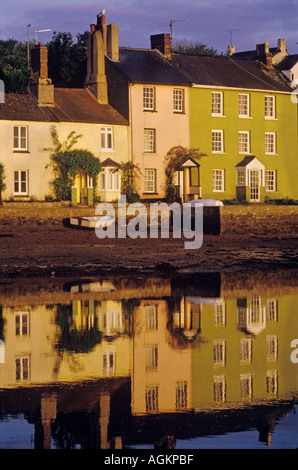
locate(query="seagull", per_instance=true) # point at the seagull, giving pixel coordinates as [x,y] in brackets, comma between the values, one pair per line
[101,13]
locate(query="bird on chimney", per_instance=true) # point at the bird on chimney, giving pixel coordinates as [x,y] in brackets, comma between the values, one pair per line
[101,13]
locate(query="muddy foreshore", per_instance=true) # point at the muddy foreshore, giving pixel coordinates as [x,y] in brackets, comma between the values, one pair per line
[53,250]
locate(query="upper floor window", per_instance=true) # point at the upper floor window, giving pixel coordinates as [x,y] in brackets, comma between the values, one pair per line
[217,103]
[217,141]
[106,134]
[244,142]
[20,138]
[270,111]
[148,98]
[178,100]
[243,105]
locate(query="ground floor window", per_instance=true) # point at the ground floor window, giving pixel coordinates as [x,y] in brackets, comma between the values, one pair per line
[110,179]
[150,180]
[270,181]
[21,182]
[218,180]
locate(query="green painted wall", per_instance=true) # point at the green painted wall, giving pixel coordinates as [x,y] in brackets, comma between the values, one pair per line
[204,369]
[285,163]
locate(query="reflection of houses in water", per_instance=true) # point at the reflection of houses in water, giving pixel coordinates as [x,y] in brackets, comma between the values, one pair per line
[178,357]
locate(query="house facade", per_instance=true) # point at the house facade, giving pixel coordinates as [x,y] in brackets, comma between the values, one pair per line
[242,117]
[145,88]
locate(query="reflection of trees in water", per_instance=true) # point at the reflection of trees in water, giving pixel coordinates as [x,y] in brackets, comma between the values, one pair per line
[70,338]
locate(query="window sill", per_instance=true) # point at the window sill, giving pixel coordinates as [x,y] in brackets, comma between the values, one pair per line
[149,192]
[20,151]
[267,118]
[149,110]
[107,150]
[218,153]
[218,115]
[271,154]
[152,154]
[244,117]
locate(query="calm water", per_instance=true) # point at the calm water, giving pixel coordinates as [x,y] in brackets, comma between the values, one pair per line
[149,363]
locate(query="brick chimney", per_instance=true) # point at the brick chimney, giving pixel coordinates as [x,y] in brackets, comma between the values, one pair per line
[264,55]
[40,84]
[162,42]
[102,42]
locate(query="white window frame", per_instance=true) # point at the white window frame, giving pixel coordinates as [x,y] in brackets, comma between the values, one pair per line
[218,180]
[178,100]
[107,139]
[150,180]
[19,181]
[270,107]
[217,103]
[23,367]
[149,140]
[270,181]
[109,179]
[20,142]
[217,141]
[244,105]
[244,142]
[148,98]
[270,143]
[219,352]
[22,319]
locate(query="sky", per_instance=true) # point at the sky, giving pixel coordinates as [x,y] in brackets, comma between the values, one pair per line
[208,22]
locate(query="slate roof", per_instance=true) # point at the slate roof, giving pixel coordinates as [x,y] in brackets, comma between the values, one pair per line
[288,62]
[148,66]
[227,72]
[253,55]
[71,105]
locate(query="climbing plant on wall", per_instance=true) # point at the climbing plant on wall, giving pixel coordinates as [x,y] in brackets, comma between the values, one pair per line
[175,157]
[2,183]
[130,172]
[68,162]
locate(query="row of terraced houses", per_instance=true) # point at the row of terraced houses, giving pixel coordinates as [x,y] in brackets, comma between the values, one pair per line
[239,110]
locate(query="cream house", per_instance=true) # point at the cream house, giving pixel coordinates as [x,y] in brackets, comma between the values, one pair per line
[143,87]
[25,132]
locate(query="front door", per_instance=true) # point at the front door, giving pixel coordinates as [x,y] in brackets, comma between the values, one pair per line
[254,185]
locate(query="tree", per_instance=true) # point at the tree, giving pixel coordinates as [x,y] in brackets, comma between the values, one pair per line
[13,64]
[175,157]
[66,57]
[194,48]
[2,178]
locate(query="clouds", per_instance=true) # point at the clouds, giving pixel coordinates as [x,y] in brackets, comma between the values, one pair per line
[205,21]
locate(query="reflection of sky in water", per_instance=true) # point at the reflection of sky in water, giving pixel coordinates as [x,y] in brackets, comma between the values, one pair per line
[16,433]
[284,436]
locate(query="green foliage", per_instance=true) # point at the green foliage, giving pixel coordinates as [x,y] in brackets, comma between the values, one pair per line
[173,160]
[130,172]
[66,57]
[13,64]
[2,183]
[67,162]
[194,48]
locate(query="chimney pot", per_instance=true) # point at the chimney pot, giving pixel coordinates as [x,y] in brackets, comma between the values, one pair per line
[92,28]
